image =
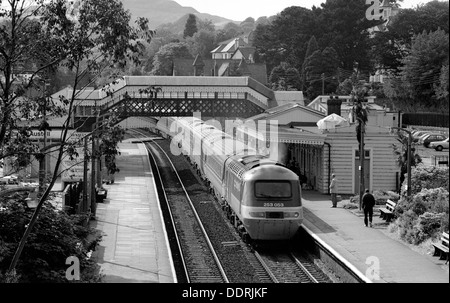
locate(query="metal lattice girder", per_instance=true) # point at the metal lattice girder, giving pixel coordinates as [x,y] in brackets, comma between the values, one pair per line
[184,107]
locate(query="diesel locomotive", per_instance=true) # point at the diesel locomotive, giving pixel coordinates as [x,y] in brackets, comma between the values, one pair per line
[261,197]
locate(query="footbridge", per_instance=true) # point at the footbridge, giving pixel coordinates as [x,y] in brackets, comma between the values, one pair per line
[158,96]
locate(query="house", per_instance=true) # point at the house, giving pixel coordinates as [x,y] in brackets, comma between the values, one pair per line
[233,57]
[381,115]
[384,11]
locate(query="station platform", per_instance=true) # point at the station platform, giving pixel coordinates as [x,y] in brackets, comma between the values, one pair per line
[345,232]
[134,246]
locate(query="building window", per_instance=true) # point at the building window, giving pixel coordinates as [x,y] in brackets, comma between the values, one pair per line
[366,153]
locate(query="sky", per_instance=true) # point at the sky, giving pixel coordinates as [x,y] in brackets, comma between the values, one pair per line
[239,10]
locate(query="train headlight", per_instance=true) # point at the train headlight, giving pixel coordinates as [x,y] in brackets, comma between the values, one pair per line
[257,214]
[291,215]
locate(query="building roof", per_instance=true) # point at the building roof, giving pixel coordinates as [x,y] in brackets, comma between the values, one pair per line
[246,51]
[185,67]
[285,135]
[291,105]
[230,46]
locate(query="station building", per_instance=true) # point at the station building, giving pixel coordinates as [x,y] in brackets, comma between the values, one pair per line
[322,152]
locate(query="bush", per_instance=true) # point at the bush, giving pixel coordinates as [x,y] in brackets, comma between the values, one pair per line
[380,197]
[423,215]
[55,237]
[430,223]
[349,205]
[427,177]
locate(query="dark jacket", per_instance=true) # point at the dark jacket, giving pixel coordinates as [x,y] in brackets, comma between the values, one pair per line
[368,200]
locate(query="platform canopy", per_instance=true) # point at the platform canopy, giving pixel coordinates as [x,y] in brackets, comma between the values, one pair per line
[332,121]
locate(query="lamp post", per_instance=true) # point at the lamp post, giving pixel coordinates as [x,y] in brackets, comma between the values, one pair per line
[408,158]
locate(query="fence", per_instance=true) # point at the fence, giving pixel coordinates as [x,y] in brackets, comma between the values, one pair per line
[426,119]
[441,161]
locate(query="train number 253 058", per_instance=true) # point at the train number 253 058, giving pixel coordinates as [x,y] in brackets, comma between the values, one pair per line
[271,204]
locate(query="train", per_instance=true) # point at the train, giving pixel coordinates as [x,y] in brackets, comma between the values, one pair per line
[260,196]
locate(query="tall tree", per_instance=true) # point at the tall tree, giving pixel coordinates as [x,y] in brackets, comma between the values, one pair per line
[422,68]
[163,60]
[414,88]
[321,72]
[391,46]
[284,77]
[312,47]
[345,28]
[202,43]
[191,26]
[293,28]
[84,39]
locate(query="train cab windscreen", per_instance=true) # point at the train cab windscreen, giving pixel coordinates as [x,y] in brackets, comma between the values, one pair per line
[273,189]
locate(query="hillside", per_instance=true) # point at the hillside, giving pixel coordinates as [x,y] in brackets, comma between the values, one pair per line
[160,12]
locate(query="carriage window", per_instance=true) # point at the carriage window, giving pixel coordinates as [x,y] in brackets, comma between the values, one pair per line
[273,189]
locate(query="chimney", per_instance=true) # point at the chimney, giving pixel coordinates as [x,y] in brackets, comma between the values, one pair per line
[334,105]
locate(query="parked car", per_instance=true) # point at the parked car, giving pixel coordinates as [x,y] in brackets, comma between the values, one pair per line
[13,179]
[416,135]
[439,145]
[426,139]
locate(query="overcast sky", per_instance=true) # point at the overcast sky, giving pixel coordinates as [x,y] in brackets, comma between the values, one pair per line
[238,10]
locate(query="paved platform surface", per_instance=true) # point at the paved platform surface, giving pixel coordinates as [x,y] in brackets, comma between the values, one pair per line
[134,247]
[345,232]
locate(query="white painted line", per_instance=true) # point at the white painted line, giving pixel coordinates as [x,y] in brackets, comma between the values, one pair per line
[172,267]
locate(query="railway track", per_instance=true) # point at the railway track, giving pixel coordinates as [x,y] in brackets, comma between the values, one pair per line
[200,261]
[283,267]
[263,266]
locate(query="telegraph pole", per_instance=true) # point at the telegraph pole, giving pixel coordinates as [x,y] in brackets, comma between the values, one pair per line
[323,84]
[361,161]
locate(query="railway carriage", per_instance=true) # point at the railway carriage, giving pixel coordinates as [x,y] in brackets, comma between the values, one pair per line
[260,196]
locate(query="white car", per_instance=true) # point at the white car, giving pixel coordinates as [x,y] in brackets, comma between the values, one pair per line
[439,145]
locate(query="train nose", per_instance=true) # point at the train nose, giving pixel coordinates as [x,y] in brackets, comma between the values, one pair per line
[273,229]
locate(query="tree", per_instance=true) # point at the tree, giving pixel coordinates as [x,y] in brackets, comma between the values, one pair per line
[284,77]
[321,72]
[163,60]
[418,87]
[55,237]
[312,47]
[191,26]
[230,30]
[84,39]
[202,43]
[391,46]
[422,67]
[345,28]
[291,30]
[248,25]
[442,87]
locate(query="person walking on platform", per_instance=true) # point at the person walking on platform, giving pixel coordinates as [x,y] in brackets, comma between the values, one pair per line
[333,190]
[368,202]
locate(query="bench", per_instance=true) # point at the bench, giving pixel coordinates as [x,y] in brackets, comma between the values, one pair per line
[441,248]
[387,212]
